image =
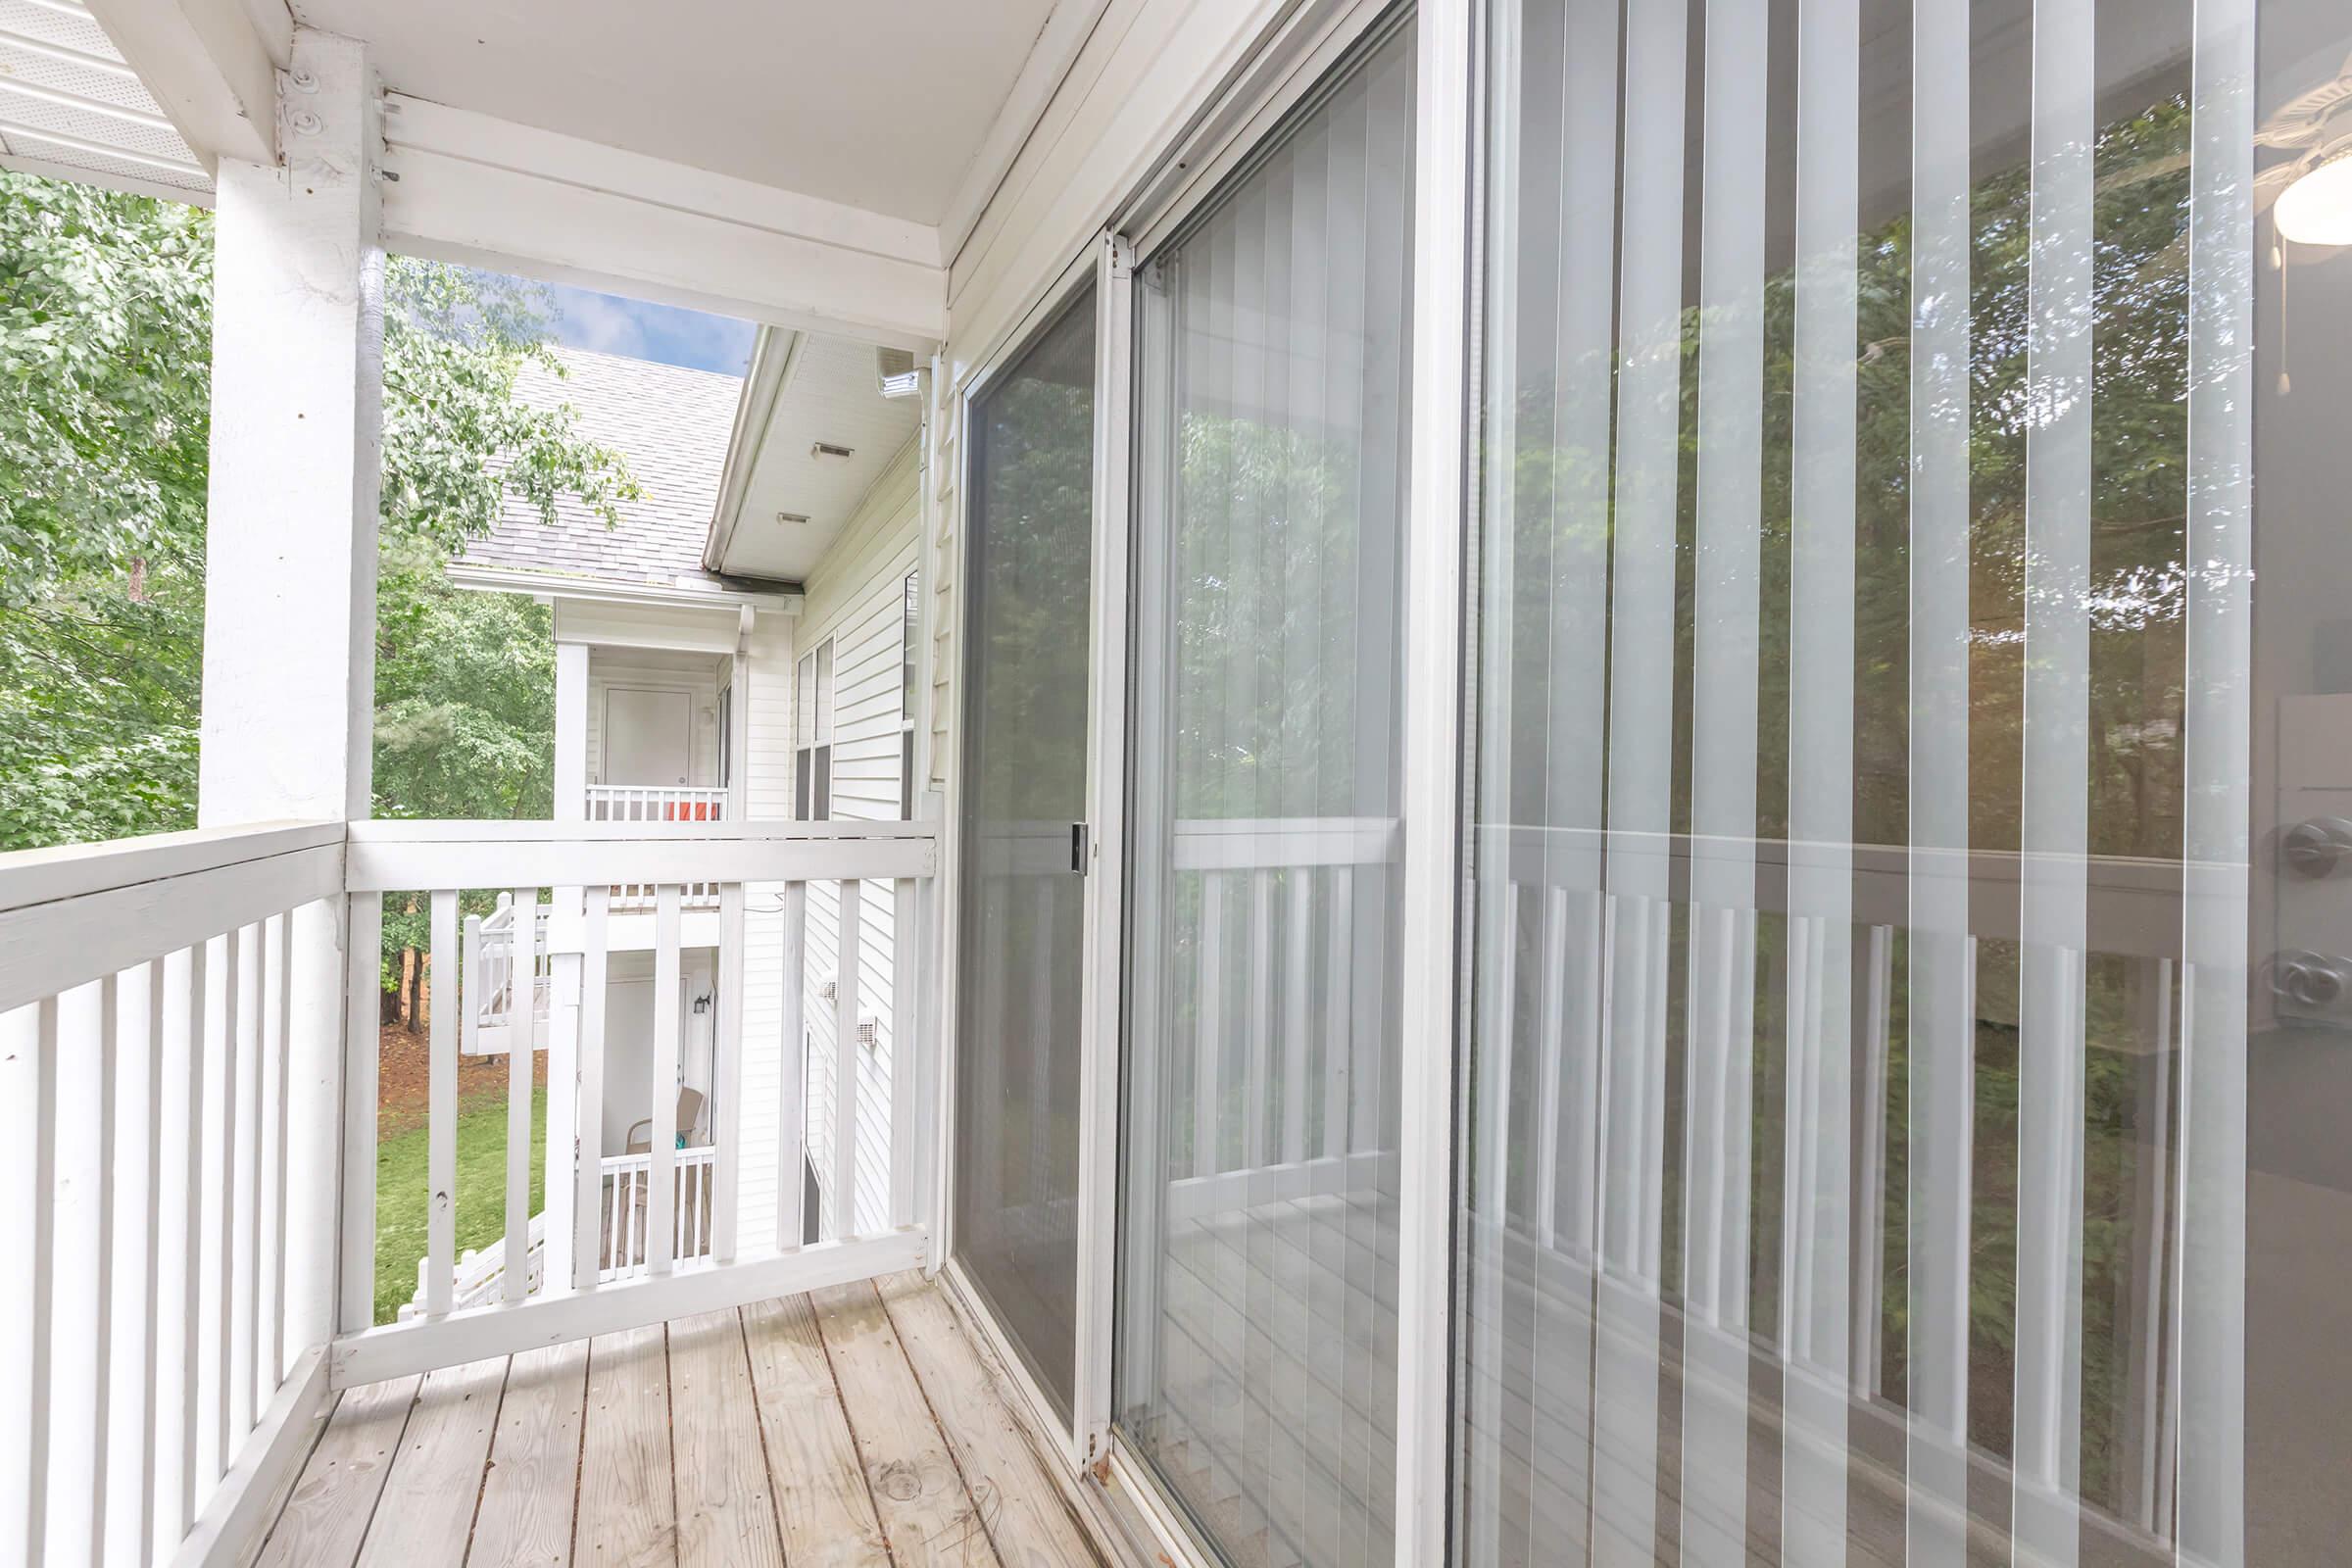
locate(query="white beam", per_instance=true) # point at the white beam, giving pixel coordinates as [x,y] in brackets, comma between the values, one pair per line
[468,186]
[289,655]
[572,732]
[211,70]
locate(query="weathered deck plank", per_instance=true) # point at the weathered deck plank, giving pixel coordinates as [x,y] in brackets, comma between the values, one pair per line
[628,1509]
[828,1516]
[426,1511]
[726,1510]
[326,1515]
[1031,1526]
[927,1515]
[525,1515]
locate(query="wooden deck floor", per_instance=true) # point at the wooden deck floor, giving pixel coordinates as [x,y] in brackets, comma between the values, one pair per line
[853,1428]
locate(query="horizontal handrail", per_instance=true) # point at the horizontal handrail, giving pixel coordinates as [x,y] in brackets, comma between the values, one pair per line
[80,913]
[29,877]
[394,856]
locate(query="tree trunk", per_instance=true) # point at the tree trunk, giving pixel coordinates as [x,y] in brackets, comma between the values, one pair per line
[411,963]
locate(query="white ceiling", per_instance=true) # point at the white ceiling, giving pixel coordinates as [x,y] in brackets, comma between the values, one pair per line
[878,104]
[829,393]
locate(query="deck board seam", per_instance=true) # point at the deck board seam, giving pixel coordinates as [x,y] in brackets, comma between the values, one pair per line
[670,1431]
[841,1395]
[400,1442]
[481,1483]
[768,1466]
[579,1454]
[979,1510]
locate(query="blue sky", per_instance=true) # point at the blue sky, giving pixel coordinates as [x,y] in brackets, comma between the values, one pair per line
[662,333]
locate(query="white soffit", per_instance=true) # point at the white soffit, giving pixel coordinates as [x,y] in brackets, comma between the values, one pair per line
[71,107]
[878,107]
[829,393]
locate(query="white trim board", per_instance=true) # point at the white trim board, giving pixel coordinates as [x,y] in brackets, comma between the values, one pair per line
[473,187]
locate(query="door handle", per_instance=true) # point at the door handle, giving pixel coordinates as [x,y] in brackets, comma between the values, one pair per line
[1078,848]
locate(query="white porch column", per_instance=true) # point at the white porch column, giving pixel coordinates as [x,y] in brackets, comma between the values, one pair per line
[566,932]
[571,731]
[289,662]
[289,667]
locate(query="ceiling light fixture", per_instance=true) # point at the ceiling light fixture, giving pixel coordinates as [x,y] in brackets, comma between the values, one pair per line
[2317,209]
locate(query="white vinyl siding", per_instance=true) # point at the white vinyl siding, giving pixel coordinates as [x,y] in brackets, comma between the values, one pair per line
[856,600]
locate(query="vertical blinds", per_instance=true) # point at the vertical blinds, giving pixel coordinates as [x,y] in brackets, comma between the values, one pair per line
[1856,1077]
[1257,1337]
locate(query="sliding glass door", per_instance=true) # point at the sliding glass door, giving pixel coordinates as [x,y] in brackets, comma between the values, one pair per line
[1911,876]
[1020,991]
[1256,1346]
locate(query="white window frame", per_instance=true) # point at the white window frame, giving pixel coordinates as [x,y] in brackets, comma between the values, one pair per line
[1098,1156]
[813,760]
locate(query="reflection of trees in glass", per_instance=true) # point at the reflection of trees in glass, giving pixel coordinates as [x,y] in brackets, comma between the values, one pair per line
[1561,527]
[1267,622]
[1034,489]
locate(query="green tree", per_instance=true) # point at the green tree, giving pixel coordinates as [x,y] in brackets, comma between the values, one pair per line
[104,416]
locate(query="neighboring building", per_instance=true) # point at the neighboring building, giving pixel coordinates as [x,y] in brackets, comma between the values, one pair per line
[688,693]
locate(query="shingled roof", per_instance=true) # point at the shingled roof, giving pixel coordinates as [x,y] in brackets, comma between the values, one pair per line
[672,425]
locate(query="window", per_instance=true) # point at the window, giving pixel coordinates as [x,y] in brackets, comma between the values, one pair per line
[812,735]
[907,632]
[1264,903]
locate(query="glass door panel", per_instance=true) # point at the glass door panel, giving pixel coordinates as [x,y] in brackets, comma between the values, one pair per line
[1909,987]
[1255,1349]
[1030,512]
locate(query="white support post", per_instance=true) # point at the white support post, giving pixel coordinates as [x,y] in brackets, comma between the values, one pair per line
[571,731]
[565,936]
[290,557]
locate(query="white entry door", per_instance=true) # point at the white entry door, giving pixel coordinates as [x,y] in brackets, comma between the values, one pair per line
[649,736]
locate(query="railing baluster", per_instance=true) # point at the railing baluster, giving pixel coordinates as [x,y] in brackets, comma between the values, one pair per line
[662,1203]
[589,1250]
[1338,1033]
[792,1112]
[1300,880]
[474,980]
[363,929]
[270,1274]
[20,1288]
[42,1267]
[523,1029]
[220,1185]
[194,1069]
[725,1173]
[441,1109]
[244,1135]
[1870,1187]
[905,1072]
[134,1517]
[1262,1001]
[1553,1027]
[1207,1074]
[108,1041]
[845,1073]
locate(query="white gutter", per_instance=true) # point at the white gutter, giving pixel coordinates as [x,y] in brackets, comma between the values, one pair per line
[773,354]
[597,590]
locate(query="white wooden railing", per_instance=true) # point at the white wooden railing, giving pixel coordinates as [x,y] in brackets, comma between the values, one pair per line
[170,1014]
[659,802]
[487,975]
[689,1252]
[188,1039]
[621,1241]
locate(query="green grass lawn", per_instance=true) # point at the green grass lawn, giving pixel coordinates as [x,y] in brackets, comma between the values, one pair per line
[399,1192]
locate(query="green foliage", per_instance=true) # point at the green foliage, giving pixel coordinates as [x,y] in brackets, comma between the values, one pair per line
[105,386]
[402,1190]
